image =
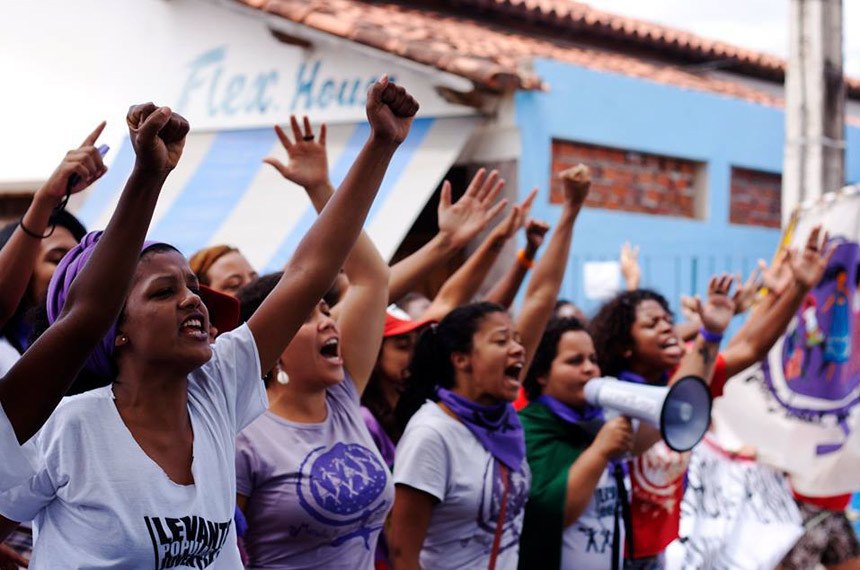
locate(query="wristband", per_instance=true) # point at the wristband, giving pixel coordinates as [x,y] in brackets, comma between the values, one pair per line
[710,336]
[523,259]
[33,234]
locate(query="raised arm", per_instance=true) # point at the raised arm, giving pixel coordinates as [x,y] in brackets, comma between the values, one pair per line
[18,256]
[361,312]
[504,292]
[630,269]
[32,388]
[715,315]
[545,283]
[462,286]
[459,223]
[763,328]
[323,250]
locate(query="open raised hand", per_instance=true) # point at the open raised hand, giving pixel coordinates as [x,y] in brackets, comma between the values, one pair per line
[690,307]
[515,220]
[718,310]
[630,269]
[505,229]
[778,276]
[462,221]
[576,181]
[808,266]
[745,294]
[308,160]
[390,110]
[157,135]
[81,166]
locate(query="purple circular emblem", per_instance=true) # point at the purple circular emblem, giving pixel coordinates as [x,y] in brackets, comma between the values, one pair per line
[342,484]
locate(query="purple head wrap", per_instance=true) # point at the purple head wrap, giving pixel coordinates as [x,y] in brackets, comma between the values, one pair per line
[100,361]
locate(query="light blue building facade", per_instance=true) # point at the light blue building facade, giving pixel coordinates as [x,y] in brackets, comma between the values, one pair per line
[678,255]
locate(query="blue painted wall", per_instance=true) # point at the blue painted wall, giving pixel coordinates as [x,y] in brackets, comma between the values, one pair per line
[677,255]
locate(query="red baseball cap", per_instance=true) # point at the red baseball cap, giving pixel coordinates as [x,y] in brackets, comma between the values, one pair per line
[397,322]
[224,310]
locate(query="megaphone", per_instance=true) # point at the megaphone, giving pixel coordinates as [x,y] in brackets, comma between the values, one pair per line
[681,411]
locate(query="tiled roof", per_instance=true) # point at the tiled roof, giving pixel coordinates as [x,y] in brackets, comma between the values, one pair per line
[489,42]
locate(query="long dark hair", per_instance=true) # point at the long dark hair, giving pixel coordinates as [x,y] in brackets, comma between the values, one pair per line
[546,352]
[374,400]
[611,329]
[431,366]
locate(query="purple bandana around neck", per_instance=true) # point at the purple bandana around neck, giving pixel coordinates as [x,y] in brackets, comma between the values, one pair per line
[100,360]
[568,414]
[498,428]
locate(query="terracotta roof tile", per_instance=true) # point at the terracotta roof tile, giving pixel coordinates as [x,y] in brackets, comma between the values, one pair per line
[570,14]
[497,59]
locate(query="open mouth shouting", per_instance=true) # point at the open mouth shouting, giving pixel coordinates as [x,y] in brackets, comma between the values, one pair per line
[672,347]
[194,327]
[513,372]
[330,351]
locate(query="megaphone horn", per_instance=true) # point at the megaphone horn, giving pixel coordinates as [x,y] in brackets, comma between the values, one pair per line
[681,411]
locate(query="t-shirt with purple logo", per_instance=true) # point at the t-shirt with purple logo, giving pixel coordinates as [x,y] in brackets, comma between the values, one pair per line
[318,494]
[440,456]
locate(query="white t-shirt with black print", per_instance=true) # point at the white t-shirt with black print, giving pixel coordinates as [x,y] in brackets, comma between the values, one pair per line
[439,455]
[99,501]
[318,493]
[587,543]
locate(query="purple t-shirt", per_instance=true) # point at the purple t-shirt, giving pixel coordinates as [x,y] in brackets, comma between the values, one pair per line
[318,494]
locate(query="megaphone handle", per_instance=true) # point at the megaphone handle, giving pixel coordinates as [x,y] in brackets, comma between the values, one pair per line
[611,413]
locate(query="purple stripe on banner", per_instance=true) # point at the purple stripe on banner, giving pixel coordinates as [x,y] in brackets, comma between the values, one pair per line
[826,448]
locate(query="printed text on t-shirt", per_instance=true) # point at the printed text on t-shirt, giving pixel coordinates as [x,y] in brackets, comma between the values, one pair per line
[187,541]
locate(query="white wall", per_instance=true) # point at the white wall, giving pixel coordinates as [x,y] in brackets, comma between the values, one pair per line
[68,65]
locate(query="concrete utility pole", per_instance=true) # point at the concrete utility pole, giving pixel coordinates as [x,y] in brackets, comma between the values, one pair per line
[814,160]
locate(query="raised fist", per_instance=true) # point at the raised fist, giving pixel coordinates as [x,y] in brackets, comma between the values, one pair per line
[577,182]
[157,135]
[390,110]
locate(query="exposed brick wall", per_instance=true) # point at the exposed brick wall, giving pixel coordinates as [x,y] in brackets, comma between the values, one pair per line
[630,181]
[755,198]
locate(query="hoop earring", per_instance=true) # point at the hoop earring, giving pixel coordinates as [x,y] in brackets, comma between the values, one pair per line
[282,378]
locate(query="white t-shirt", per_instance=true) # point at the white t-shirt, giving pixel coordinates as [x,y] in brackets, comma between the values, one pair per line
[16,462]
[439,455]
[8,356]
[587,543]
[100,502]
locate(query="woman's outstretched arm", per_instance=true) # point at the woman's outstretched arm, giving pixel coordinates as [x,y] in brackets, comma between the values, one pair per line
[32,388]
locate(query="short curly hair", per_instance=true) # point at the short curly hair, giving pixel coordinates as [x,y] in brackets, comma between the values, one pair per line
[612,326]
[546,352]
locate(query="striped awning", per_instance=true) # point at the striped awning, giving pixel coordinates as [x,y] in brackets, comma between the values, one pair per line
[221,192]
